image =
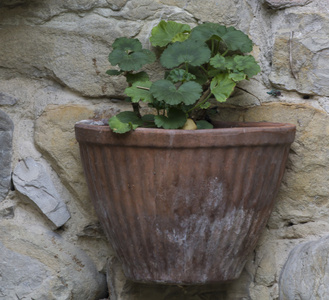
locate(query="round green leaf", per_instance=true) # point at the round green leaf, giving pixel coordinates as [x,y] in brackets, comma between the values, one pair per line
[180,37]
[127,44]
[167,32]
[164,90]
[203,124]
[247,64]
[140,76]
[222,87]
[124,122]
[177,75]
[131,61]
[189,51]
[234,39]
[204,32]
[237,76]
[140,91]
[218,62]
[176,119]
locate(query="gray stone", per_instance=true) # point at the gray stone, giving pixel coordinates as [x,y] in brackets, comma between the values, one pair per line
[301,53]
[116,4]
[19,284]
[52,57]
[229,12]
[6,136]
[279,4]
[305,275]
[6,99]
[32,180]
[43,266]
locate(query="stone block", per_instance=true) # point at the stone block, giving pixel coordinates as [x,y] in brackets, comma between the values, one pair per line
[40,264]
[305,275]
[32,180]
[228,12]
[301,53]
[54,136]
[46,52]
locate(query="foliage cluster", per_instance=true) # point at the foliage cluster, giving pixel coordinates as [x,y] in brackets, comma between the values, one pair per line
[203,62]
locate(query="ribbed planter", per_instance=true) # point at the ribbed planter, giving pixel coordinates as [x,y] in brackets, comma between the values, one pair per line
[184,207]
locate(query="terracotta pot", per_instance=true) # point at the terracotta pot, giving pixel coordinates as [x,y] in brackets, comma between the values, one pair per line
[184,207]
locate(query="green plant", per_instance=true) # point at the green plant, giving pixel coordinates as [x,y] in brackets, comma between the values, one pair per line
[203,62]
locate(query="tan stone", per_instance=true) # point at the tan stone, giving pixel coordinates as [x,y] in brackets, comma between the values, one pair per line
[54,135]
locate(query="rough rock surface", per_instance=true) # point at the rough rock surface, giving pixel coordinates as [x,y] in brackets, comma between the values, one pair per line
[54,135]
[305,275]
[32,180]
[6,135]
[6,99]
[49,267]
[300,53]
[279,4]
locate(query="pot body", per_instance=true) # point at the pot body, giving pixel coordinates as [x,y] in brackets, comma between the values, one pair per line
[184,207]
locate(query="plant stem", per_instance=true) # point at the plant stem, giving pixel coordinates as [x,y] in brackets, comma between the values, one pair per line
[202,100]
[204,69]
[136,109]
[225,53]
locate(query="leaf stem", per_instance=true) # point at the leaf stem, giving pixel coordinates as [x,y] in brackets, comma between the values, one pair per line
[143,88]
[225,53]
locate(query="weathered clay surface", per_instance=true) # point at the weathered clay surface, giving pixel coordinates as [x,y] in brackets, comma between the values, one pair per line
[32,180]
[305,275]
[6,135]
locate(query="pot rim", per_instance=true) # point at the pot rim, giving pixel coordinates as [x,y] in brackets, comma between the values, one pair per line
[225,135]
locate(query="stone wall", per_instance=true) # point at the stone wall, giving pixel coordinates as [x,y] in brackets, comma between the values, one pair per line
[53,58]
